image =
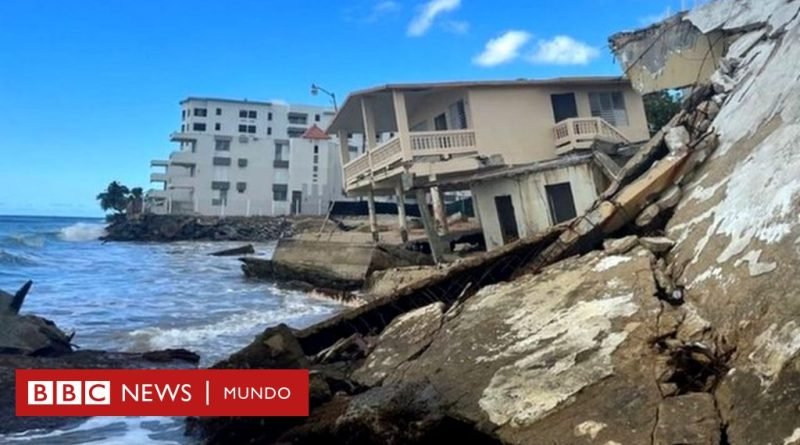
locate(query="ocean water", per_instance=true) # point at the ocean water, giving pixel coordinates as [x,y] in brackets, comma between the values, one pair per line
[138,297]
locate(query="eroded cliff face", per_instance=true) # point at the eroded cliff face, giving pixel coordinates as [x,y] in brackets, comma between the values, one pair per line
[738,227]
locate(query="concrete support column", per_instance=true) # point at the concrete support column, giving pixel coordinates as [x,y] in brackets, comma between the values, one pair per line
[369,129]
[401,120]
[438,208]
[401,212]
[438,247]
[373,220]
[344,156]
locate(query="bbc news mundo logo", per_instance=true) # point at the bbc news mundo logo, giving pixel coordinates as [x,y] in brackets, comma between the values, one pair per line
[192,392]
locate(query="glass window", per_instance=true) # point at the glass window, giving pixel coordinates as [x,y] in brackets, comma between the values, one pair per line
[269,131]
[217,126]
[198,126]
[219,111]
[242,128]
[200,112]
[316,149]
[269,116]
[222,145]
[610,106]
[252,114]
[458,115]
[242,114]
[251,129]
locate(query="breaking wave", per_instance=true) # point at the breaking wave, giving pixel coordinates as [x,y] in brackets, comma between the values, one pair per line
[25,240]
[82,232]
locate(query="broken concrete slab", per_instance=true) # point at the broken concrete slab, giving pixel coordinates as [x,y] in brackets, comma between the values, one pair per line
[329,265]
[648,215]
[405,337]
[618,246]
[242,250]
[677,139]
[669,198]
[656,244]
[690,419]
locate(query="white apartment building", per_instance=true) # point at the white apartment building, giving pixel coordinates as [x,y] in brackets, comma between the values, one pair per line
[240,157]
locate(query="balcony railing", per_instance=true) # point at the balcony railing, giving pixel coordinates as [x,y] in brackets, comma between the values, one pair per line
[427,143]
[442,142]
[158,177]
[182,157]
[583,133]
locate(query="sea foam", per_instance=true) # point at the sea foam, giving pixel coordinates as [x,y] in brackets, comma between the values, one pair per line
[82,232]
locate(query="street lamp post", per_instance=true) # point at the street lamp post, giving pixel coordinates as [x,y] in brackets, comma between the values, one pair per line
[316,89]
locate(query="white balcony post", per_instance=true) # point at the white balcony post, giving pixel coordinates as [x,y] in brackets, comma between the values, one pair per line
[401,118]
[369,129]
[401,211]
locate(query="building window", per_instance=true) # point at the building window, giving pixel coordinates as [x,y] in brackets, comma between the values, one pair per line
[183,128]
[560,201]
[251,129]
[440,122]
[316,117]
[316,149]
[198,126]
[298,118]
[247,129]
[242,114]
[458,115]
[220,185]
[294,132]
[242,162]
[280,192]
[281,159]
[316,159]
[219,111]
[183,115]
[217,126]
[222,145]
[609,105]
[316,168]
[241,187]
[269,116]
[221,161]
[200,112]
[269,131]
[242,128]
[252,114]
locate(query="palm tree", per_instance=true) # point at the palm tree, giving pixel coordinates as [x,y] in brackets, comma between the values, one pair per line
[115,197]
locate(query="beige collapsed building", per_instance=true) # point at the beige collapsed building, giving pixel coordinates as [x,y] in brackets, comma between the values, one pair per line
[532,152]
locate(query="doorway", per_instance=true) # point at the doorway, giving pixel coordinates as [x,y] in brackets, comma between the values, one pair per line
[564,106]
[297,202]
[507,218]
[561,202]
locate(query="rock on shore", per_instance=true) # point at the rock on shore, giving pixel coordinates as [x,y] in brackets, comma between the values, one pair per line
[166,228]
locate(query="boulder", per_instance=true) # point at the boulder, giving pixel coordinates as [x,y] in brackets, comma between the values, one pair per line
[669,198]
[647,215]
[618,246]
[391,414]
[11,304]
[275,348]
[656,244]
[405,337]
[533,359]
[677,139]
[690,419]
[32,335]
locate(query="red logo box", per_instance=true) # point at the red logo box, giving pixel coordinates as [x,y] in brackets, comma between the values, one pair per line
[193,392]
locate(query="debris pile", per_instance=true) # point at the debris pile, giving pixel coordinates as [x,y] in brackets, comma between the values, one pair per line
[667,314]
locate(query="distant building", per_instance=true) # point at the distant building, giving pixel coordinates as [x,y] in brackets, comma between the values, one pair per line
[532,152]
[248,158]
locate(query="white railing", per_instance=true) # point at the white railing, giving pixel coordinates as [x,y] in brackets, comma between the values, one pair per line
[442,142]
[387,153]
[575,133]
[427,143]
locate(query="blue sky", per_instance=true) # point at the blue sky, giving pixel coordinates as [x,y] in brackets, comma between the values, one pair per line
[90,89]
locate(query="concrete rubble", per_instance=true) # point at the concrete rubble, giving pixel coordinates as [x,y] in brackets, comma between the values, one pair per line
[682,330]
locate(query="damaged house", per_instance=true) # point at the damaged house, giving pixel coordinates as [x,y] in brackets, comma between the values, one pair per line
[533,152]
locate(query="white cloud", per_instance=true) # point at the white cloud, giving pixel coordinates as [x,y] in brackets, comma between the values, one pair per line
[563,50]
[381,9]
[456,26]
[427,14]
[502,49]
[655,18]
